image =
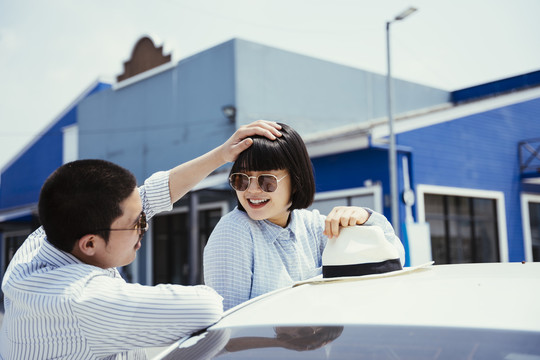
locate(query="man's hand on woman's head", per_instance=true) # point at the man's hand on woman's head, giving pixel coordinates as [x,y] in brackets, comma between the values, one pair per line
[241,140]
[344,216]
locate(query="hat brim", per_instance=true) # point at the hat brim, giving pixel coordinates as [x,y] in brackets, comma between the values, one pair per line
[320,280]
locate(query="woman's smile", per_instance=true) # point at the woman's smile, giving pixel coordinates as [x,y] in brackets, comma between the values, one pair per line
[257,203]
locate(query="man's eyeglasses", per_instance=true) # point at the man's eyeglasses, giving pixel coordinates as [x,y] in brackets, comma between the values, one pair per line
[267,182]
[141,226]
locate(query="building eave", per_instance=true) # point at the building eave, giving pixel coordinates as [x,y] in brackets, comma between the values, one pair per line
[17,212]
[375,131]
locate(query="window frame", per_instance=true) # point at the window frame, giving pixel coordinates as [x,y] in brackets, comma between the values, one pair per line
[374,189]
[149,258]
[498,196]
[527,198]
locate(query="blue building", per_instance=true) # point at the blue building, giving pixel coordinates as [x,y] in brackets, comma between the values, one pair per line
[467,160]
[471,167]
[22,177]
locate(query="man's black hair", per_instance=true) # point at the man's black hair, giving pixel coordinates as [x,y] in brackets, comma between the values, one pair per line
[81,197]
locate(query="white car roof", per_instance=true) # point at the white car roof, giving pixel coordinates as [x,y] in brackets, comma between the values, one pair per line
[494,295]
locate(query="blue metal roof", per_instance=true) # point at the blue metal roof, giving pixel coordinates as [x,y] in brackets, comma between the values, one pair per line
[510,84]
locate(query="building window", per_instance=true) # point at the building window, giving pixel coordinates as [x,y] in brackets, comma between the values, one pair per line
[170,248]
[171,245]
[12,242]
[463,229]
[369,196]
[530,212]
[534,218]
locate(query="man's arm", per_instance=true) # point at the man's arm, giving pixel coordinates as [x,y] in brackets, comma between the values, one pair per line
[185,176]
[115,316]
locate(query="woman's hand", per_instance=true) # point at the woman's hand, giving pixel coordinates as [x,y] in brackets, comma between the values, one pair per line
[344,216]
[241,140]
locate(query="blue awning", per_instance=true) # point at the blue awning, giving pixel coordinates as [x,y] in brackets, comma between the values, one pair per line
[17,213]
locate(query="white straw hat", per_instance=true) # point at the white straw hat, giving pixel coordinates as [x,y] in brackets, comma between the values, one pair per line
[358,251]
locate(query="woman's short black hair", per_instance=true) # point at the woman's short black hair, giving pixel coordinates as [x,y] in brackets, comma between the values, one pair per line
[287,152]
[81,197]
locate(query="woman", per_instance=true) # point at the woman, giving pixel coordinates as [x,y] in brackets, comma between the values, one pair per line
[271,240]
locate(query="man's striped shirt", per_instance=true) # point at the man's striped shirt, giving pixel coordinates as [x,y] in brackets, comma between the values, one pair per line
[58,307]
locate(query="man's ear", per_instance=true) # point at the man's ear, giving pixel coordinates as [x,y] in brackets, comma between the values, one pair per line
[87,245]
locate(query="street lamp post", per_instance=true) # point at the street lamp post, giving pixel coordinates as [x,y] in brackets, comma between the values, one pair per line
[392,158]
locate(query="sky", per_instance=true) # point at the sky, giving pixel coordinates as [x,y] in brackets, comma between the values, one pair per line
[51,51]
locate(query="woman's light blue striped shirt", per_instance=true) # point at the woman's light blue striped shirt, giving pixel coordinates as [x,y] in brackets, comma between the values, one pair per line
[245,258]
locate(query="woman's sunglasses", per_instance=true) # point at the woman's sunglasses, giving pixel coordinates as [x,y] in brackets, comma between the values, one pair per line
[267,182]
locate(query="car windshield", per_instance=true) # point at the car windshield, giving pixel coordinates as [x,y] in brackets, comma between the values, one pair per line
[360,342]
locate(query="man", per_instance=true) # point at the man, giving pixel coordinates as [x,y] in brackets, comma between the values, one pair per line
[64,298]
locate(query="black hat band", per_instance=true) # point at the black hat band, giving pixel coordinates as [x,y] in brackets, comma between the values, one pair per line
[331,271]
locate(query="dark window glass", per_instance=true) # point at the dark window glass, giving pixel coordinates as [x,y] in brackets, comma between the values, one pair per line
[462,229]
[170,249]
[485,212]
[171,245]
[12,244]
[438,240]
[459,226]
[434,205]
[534,214]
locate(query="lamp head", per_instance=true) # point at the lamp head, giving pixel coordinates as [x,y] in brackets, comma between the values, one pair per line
[405,13]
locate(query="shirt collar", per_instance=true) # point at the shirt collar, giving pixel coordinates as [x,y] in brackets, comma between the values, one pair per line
[57,257]
[275,231]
